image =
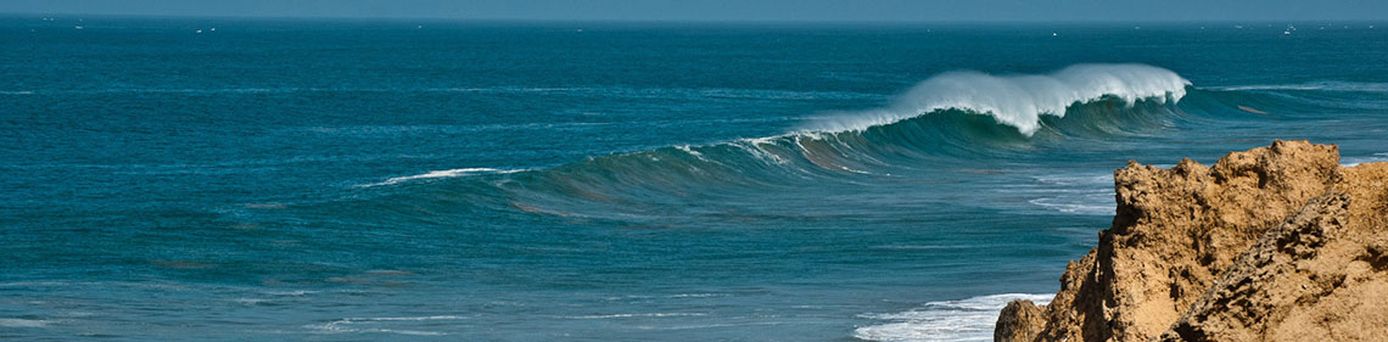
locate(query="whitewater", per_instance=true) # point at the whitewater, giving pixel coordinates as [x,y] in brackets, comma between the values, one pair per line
[1020,100]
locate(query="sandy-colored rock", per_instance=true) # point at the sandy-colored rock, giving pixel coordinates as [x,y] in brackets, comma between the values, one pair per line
[1270,279]
[1021,320]
[1275,243]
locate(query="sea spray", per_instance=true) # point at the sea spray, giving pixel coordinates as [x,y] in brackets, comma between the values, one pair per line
[1018,100]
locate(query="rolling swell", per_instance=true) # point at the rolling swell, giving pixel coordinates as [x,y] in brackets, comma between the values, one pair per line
[948,119]
[653,181]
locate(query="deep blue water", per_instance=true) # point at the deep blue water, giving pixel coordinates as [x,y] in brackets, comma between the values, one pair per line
[379,180]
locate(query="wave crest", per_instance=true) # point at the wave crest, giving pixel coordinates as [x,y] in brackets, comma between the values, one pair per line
[1020,100]
[1088,102]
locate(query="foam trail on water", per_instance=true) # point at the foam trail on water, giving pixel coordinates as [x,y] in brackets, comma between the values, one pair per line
[371,325]
[1019,100]
[1329,86]
[23,323]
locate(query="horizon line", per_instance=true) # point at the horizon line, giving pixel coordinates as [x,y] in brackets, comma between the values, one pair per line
[686,20]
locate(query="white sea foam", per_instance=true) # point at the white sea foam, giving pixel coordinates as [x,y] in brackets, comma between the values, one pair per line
[753,147]
[1019,100]
[443,174]
[251,301]
[417,318]
[690,151]
[706,326]
[1080,205]
[1082,194]
[23,323]
[638,315]
[1355,161]
[679,295]
[1103,180]
[969,319]
[697,295]
[298,293]
[370,325]
[699,155]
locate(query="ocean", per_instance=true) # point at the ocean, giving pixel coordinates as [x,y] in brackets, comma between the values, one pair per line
[316,179]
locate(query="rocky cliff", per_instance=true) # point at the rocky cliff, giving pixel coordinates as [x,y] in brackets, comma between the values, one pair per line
[1275,243]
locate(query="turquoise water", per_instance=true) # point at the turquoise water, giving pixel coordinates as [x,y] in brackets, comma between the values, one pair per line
[384,180]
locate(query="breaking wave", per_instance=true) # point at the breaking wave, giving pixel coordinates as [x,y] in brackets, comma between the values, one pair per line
[946,120]
[1019,100]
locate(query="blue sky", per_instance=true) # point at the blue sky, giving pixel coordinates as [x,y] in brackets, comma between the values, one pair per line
[734,10]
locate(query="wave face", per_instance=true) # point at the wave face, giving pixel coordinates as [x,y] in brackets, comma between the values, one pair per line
[955,112]
[1020,100]
[951,116]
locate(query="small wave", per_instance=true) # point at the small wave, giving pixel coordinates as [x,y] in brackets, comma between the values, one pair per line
[679,295]
[708,326]
[969,319]
[1077,204]
[251,301]
[691,152]
[639,315]
[1081,194]
[1101,180]
[21,92]
[1019,101]
[698,295]
[419,318]
[1331,86]
[450,173]
[1355,161]
[24,323]
[35,283]
[923,247]
[351,325]
[266,205]
[298,293]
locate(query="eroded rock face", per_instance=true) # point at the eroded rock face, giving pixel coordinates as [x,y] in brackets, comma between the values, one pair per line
[1277,243]
[1021,320]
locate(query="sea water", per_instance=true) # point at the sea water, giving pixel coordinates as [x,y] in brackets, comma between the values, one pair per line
[402,180]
